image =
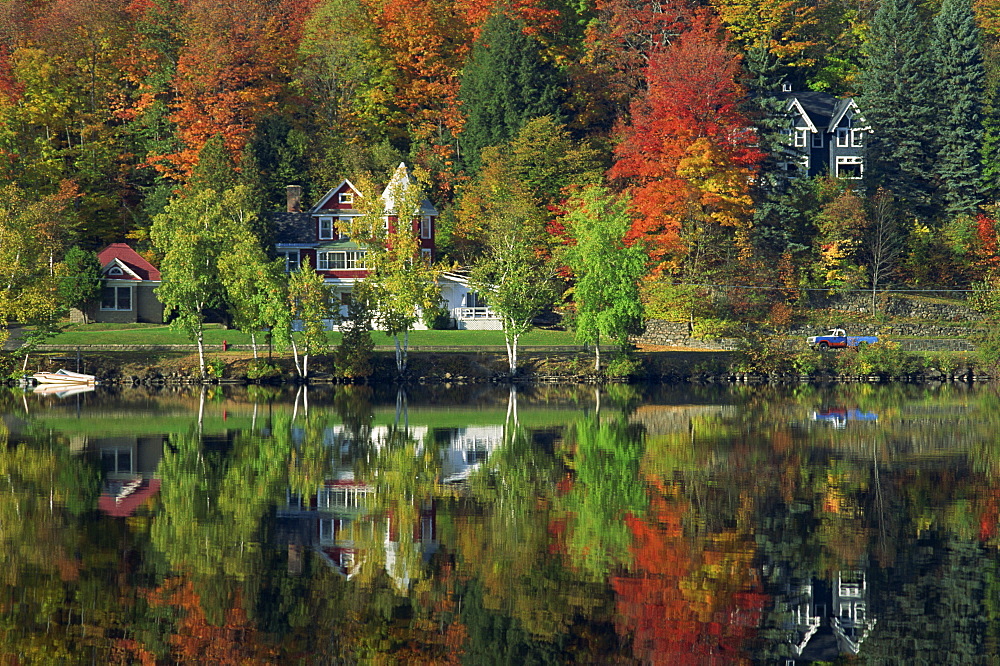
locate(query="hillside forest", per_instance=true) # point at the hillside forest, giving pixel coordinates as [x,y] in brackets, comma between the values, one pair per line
[520,114]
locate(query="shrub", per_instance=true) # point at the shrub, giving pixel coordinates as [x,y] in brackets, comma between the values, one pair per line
[436,318]
[761,352]
[624,365]
[353,357]
[883,358]
[260,369]
[215,368]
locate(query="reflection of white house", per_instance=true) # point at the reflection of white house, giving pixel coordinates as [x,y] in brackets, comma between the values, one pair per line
[468,448]
[828,619]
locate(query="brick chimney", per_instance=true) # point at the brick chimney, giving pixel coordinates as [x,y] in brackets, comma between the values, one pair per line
[294,194]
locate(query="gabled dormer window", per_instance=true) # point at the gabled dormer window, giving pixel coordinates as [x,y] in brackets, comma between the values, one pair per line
[842,137]
[346,197]
[115,271]
[800,138]
[326,228]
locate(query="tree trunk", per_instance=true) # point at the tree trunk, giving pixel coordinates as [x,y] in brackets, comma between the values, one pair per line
[295,355]
[399,354]
[597,353]
[253,343]
[305,366]
[201,351]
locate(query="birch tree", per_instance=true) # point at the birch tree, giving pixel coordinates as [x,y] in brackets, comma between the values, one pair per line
[195,234]
[401,283]
[606,271]
[309,303]
[516,274]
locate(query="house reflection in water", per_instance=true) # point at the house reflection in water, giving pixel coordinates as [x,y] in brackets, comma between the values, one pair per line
[128,469]
[342,523]
[828,619]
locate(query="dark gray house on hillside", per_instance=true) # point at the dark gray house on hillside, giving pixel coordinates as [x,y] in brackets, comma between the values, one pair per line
[826,135]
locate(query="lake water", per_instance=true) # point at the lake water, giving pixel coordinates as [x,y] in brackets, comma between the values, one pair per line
[645,525]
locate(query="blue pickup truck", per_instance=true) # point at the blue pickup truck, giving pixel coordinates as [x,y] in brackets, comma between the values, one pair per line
[839,338]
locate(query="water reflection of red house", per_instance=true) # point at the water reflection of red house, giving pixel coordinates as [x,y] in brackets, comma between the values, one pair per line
[128,466]
[129,498]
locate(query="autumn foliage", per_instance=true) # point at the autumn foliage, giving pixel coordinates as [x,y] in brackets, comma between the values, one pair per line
[687,150]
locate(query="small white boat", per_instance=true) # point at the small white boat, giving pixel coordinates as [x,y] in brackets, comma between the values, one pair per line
[64,377]
[63,390]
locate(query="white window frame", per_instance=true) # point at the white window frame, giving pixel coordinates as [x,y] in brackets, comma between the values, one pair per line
[116,308]
[425,226]
[340,260]
[847,160]
[800,137]
[427,255]
[817,140]
[291,258]
[345,198]
[326,227]
[843,137]
[116,271]
[857,138]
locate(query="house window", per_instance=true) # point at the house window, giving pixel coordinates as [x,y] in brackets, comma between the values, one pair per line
[817,141]
[338,261]
[800,138]
[114,271]
[427,255]
[842,137]
[345,298]
[474,300]
[857,138]
[116,298]
[291,258]
[346,197]
[326,228]
[425,226]
[849,167]
[116,461]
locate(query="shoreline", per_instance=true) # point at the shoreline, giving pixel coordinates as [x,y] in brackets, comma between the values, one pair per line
[153,367]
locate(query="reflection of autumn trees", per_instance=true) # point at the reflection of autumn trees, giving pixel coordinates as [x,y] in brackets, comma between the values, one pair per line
[692,598]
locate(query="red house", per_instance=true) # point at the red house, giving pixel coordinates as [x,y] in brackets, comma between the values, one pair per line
[323,232]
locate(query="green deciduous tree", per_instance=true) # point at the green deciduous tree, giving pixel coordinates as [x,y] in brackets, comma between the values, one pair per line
[80,282]
[515,272]
[194,234]
[255,287]
[309,303]
[606,270]
[401,283]
[30,238]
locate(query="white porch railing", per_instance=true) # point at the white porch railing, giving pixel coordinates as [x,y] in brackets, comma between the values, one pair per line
[465,314]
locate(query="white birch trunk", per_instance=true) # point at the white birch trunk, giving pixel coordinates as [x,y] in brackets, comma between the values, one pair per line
[201,351]
[295,356]
[253,343]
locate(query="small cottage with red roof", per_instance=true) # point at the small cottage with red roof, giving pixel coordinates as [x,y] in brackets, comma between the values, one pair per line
[127,295]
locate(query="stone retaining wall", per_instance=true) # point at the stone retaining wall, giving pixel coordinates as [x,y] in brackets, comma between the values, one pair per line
[934,337]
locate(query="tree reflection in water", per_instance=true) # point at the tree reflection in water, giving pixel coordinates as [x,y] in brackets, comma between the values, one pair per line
[500,525]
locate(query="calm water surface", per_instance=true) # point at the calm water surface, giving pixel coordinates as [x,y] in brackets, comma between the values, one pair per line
[483,526]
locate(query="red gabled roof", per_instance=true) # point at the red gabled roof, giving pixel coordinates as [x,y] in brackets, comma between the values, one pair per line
[125,254]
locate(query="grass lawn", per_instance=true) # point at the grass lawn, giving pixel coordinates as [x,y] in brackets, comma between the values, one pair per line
[158,334]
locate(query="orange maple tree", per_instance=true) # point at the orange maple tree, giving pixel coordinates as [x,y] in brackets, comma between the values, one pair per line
[687,145]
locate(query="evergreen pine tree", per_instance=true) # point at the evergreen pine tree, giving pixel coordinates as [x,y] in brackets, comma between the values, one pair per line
[898,101]
[505,83]
[960,79]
